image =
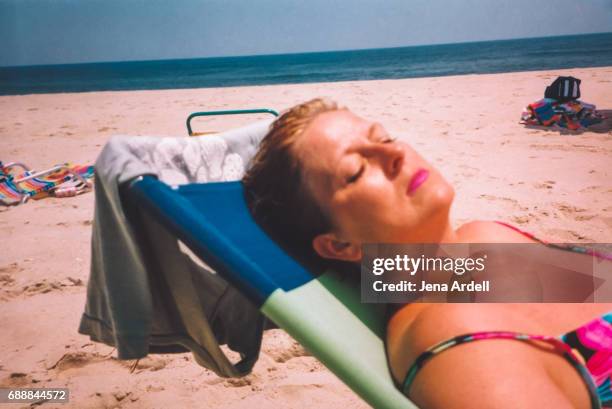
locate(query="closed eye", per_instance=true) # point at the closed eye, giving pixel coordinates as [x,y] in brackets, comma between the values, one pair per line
[356,176]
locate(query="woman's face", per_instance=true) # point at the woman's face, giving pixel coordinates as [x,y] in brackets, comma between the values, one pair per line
[373,188]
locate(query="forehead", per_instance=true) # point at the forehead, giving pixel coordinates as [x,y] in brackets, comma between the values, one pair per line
[327,136]
[322,145]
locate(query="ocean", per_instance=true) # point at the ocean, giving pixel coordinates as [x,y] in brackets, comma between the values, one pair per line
[548,53]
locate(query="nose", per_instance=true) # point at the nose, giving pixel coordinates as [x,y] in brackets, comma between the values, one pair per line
[391,157]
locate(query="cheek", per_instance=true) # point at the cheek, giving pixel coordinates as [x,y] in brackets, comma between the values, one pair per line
[374,195]
[361,208]
[376,209]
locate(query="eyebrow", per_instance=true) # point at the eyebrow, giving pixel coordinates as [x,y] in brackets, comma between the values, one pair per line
[369,136]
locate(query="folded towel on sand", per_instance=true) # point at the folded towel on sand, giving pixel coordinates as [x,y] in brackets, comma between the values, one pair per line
[573,115]
[141,306]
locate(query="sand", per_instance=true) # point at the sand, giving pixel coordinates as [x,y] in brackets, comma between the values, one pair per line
[555,184]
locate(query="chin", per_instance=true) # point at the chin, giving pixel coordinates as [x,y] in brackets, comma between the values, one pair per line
[439,198]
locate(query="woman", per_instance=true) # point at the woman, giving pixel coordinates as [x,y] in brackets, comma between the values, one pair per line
[325,181]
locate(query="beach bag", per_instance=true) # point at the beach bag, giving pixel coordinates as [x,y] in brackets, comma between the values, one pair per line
[563,89]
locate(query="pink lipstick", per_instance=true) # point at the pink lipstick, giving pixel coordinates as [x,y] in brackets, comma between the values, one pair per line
[417,180]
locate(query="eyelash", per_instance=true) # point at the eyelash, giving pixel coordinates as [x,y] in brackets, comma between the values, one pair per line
[356,176]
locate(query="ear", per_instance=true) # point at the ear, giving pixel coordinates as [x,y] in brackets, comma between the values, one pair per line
[329,246]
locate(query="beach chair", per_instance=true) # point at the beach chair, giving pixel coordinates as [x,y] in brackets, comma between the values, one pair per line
[322,312]
[226,112]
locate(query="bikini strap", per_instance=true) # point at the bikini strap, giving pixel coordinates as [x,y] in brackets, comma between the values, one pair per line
[557,344]
[576,249]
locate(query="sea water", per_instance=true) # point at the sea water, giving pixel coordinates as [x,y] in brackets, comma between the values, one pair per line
[548,53]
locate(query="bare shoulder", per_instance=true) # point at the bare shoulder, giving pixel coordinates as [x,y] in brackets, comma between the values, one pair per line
[480,231]
[417,327]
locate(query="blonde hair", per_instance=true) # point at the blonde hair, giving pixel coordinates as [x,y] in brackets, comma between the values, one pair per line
[274,187]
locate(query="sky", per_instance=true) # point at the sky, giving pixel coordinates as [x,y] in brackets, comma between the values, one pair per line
[34,32]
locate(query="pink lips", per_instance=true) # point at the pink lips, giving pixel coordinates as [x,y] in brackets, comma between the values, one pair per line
[417,180]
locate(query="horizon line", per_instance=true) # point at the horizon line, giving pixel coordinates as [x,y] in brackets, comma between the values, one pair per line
[297,53]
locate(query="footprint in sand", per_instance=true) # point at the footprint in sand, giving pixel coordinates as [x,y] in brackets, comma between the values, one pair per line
[109,399]
[120,396]
[568,209]
[238,382]
[546,213]
[215,381]
[506,200]
[298,392]
[11,269]
[45,286]
[567,236]
[6,280]
[568,148]
[524,219]
[584,217]
[148,363]
[75,359]
[595,189]
[16,379]
[576,213]
[548,184]
[284,355]
[41,287]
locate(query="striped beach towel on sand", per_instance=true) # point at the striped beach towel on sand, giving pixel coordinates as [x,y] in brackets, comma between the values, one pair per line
[61,180]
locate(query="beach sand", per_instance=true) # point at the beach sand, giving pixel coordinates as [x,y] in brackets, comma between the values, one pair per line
[555,184]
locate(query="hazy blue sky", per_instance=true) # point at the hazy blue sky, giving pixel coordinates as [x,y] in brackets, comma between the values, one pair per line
[67,31]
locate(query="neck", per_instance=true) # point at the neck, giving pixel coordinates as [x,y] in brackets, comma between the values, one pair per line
[448,234]
[439,230]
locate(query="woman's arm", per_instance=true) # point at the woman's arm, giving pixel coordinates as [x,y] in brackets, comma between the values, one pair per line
[484,374]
